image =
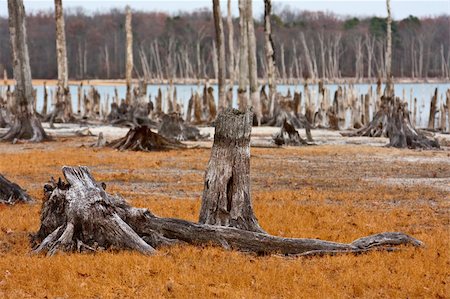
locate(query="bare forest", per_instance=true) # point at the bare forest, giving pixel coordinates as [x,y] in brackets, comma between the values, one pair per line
[181,46]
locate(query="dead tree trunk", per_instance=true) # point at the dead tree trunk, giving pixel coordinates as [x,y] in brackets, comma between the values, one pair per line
[269,48]
[25,124]
[252,64]
[80,216]
[61,55]
[389,85]
[226,196]
[433,106]
[243,57]
[11,193]
[220,54]
[129,55]
[231,55]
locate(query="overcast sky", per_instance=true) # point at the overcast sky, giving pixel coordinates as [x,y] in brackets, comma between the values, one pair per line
[400,8]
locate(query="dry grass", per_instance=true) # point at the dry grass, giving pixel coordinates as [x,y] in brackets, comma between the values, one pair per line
[335,193]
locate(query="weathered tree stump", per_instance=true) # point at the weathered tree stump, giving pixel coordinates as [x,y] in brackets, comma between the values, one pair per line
[81,216]
[11,193]
[392,121]
[288,135]
[226,197]
[141,138]
[173,127]
[286,109]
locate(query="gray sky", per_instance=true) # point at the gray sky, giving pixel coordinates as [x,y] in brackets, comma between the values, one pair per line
[400,8]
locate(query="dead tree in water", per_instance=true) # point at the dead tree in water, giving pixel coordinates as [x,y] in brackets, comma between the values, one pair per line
[25,124]
[81,216]
[11,193]
[389,84]
[129,54]
[433,106]
[220,43]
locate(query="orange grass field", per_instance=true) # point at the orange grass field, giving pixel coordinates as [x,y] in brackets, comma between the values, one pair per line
[337,193]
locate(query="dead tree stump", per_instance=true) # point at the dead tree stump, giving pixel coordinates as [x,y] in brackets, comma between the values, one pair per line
[81,216]
[392,121]
[11,193]
[226,197]
[288,135]
[173,127]
[141,138]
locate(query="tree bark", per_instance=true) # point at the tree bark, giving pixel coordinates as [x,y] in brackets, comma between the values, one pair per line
[81,216]
[226,197]
[220,54]
[11,193]
[129,55]
[25,124]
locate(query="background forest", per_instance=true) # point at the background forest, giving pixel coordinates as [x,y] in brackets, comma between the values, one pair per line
[182,46]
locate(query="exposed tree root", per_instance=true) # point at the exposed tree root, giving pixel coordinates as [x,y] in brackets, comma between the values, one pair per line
[25,128]
[11,193]
[141,138]
[81,216]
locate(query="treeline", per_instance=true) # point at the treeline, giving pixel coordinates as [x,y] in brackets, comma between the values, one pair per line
[307,44]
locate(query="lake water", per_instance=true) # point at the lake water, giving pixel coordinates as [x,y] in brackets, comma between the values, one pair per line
[422,91]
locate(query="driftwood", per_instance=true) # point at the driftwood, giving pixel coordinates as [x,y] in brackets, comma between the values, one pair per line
[392,120]
[288,135]
[173,127]
[81,216]
[11,193]
[141,138]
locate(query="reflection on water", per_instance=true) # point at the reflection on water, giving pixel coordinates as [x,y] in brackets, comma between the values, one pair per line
[422,91]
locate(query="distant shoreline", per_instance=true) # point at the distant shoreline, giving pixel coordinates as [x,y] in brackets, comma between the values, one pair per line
[120,82]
